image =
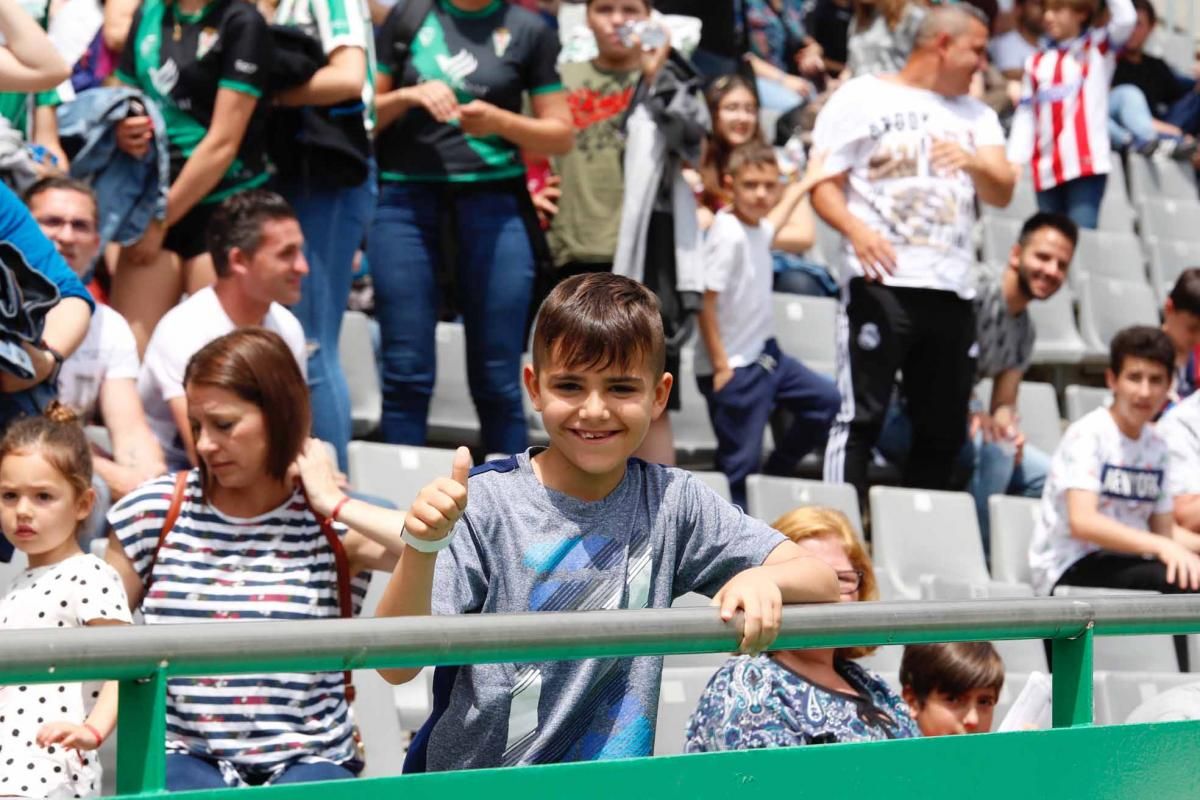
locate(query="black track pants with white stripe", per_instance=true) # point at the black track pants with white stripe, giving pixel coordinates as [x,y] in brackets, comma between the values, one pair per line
[928,336]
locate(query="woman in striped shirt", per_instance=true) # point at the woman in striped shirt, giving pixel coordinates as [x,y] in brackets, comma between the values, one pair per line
[247,542]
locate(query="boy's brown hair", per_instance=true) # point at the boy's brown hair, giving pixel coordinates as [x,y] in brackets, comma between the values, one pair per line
[1088,7]
[750,154]
[600,320]
[953,668]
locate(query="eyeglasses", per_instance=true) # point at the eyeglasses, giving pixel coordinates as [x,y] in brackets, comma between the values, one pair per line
[849,580]
[83,227]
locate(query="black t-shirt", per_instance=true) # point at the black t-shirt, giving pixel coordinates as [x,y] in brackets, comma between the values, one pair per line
[721,26]
[829,24]
[496,55]
[1157,81]
[181,61]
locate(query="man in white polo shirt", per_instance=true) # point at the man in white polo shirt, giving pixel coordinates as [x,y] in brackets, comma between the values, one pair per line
[257,249]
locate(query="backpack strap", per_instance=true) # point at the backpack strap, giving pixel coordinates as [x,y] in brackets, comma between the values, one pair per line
[405,19]
[181,480]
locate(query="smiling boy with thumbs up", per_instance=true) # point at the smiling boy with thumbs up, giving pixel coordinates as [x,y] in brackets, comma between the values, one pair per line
[580,525]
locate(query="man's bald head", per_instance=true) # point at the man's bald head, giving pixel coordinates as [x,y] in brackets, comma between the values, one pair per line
[951,21]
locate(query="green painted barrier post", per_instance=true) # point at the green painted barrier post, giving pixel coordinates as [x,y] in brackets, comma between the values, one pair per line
[142,735]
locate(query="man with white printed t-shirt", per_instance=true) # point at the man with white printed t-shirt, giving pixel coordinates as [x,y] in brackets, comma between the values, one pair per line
[909,154]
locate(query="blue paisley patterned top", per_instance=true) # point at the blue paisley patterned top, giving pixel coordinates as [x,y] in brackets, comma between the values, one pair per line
[756,702]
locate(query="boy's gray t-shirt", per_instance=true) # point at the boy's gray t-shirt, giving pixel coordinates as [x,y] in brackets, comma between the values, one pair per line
[522,547]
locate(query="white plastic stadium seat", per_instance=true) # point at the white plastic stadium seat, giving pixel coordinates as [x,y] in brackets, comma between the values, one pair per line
[806,330]
[922,534]
[1126,691]
[1168,259]
[1169,218]
[999,235]
[1081,400]
[694,437]
[770,497]
[396,472]
[1155,178]
[680,691]
[1107,254]
[1012,523]
[1058,340]
[452,417]
[356,352]
[1107,305]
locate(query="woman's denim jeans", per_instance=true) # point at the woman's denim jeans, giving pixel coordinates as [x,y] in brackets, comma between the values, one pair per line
[334,224]
[494,275]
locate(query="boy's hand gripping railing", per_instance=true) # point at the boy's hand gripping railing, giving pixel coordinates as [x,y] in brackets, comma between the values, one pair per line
[142,658]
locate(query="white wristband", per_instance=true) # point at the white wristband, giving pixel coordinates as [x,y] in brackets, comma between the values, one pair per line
[427,545]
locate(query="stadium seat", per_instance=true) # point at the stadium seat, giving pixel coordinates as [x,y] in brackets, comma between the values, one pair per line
[377,720]
[885,659]
[1012,521]
[1083,399]
[770,497]
[714,480]
[396,472]
[356,352]
[694,437]
[1169,218]
[1155,178]
[1169,258]
[1107,305]
[999,235]
[806,329]
[1116,212]
[1022,655]
[1037,408]
[452,417]
[680,691]
[1107,254]
[1125,691]
[99,436]
[1058,340]
[921,535]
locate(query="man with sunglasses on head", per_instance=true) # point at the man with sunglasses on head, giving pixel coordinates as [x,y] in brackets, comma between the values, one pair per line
[101,375]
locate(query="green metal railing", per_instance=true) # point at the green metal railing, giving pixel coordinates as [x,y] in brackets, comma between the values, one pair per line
[1074,760]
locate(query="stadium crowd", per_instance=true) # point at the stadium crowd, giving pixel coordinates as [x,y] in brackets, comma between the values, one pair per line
[610,197]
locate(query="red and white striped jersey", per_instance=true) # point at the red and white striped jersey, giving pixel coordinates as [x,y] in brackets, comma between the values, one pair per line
[1061,125]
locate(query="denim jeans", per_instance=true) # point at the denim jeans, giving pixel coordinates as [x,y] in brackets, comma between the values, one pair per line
[1078,199]
[186,772]
[334,224]
[993,467]
[1130,122]
[774,96]
[494,276]
[996,472]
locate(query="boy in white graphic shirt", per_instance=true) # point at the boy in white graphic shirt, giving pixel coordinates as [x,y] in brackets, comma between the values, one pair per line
[1106,516]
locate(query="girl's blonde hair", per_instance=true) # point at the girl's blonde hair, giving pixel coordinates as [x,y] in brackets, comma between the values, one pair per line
[813,522]
[59,438]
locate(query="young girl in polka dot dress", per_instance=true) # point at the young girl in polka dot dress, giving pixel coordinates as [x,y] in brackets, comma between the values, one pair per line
[49,732]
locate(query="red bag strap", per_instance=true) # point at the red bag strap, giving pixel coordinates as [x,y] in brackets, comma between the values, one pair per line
[344,587]
[181,480]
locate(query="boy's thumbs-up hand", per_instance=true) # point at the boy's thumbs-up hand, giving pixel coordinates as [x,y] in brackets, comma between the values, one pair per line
[439,505]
